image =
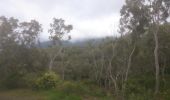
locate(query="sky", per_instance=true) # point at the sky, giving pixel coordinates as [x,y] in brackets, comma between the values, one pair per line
[90,18]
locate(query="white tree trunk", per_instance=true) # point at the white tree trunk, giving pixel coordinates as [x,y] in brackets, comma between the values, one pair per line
[156,62]
[128,68]
[52,59]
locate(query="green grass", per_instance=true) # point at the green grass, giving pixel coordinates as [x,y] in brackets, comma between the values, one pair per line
[21,94]
[28,94]
[67,90]
[58,95]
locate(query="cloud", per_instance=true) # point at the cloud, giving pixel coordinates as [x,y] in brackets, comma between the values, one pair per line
[99,27]
[90,18]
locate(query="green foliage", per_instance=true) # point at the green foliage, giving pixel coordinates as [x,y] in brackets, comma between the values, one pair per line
[74,87]
[13,80]
[140,84]
[166,95]
[58,29]
[144,96]
[60,95]
[21,62]
[80,88]
[18,53]
[47,81]
[28,94]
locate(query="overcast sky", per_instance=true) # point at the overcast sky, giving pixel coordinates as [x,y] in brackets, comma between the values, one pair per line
[90,18]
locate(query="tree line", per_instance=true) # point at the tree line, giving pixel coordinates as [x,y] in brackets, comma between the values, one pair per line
[136,62]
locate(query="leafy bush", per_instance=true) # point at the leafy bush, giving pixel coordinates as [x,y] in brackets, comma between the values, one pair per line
[48,81]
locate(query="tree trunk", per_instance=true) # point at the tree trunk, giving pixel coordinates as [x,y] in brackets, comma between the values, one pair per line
[50,65]
[51,62]
[156,62]
[63,73]
[63,67]
[52,58]
[128,68]
[163,73]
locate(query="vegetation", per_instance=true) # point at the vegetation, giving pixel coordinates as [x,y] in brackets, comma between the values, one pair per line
[133,66]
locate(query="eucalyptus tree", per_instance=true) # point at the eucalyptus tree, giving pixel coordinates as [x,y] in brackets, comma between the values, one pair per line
[17,48]
[8,33]
[58,32]
[159,12]
[133,22]
[141,15]
[29,33]
[16,35]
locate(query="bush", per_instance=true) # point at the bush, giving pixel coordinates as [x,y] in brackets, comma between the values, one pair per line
[48,81]
[140,85]
[13,80]
[145,96]
[79,88]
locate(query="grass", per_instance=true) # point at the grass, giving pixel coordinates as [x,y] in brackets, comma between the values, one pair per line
[21,94]
[69,90]
[28,94]
[66,90]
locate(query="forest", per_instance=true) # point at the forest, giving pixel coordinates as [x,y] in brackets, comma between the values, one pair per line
[134,65]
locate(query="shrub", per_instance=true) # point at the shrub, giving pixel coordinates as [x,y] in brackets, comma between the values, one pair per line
[79,88]
[145,96]
[13,80]
[139,85]
[74,87]
[47,81]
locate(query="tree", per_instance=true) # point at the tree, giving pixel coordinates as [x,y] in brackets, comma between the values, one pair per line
[29,32]
[18,48]
[139,15]
[132,22]
[159,12]
[8,33]
[57,31]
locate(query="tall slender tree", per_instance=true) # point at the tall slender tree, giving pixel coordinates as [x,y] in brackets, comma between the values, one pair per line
[133,20]
[57,31]
[159,12]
